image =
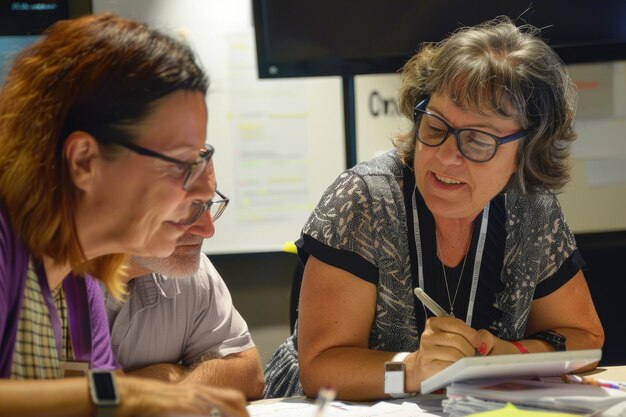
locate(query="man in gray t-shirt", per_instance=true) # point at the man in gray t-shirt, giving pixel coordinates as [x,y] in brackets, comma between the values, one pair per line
[178,323]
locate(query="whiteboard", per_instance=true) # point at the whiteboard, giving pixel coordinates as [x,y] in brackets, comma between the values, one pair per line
[279,143]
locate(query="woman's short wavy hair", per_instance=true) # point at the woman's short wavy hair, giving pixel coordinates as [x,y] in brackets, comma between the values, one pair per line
[101,74]
[497,67]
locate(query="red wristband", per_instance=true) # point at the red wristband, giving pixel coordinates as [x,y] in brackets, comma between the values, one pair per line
[520,347]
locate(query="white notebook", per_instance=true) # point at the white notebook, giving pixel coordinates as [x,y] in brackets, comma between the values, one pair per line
[509,366]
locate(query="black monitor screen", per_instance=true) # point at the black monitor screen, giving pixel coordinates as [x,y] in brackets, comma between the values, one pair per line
[347,37]
[32,17]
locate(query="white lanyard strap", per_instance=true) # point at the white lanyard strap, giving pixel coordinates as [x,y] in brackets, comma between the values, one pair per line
[477,262]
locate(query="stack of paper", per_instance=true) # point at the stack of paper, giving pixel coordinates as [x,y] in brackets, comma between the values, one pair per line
[511,366]
[472,397]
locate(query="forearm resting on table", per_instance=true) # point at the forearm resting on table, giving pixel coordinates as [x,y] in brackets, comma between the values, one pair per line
[170,372]
[241,371]
[66,397]
[357,374]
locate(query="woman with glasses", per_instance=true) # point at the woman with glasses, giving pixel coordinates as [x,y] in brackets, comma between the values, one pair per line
[102,153]
[464,208]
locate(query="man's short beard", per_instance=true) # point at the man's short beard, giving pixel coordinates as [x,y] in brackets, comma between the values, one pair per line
[177,265]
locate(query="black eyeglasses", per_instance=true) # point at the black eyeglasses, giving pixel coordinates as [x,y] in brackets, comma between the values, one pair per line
[475,145]
[192,170]
[215,207]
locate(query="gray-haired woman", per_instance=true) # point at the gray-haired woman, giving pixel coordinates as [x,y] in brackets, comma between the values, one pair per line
[463,208]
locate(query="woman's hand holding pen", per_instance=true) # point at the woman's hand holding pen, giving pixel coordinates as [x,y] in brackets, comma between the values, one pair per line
[484,341]
[444,341]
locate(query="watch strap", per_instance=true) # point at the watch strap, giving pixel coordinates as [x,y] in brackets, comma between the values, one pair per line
[105,411]
[553,338]
[400,357]
[394,376]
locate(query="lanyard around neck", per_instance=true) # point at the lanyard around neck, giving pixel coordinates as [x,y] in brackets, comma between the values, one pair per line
[477,261]
[52,310]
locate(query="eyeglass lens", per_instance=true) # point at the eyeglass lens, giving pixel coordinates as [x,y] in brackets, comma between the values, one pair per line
[473,144]
[195,170]
[216,208]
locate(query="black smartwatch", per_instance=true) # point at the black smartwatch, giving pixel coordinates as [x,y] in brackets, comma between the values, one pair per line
[103,392]
[556,340]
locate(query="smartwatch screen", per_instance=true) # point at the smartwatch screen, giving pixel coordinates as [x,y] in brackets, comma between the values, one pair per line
[103,383]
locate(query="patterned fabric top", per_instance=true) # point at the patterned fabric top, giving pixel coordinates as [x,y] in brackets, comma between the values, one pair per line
[35,355]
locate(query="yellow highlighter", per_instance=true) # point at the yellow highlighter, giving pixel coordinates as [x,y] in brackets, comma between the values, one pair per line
[509,410]
[290,247]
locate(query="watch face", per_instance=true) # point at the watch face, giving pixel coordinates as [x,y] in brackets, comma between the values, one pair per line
[103,384]
[394,367]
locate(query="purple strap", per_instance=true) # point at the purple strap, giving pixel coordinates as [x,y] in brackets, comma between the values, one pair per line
[78,313]
[13,266]
[80,319]
[52,310]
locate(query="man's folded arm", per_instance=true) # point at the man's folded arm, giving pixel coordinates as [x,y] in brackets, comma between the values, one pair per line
[241,371]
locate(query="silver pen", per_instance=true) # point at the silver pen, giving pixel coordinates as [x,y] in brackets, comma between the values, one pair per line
[324,396]
[435,308]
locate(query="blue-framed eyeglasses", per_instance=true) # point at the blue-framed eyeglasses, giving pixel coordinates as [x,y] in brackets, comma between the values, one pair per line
[474,144]
[215,206]
[191,170]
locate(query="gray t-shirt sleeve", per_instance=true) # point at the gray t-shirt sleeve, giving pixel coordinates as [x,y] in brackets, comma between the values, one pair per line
[184,320]
[217,328]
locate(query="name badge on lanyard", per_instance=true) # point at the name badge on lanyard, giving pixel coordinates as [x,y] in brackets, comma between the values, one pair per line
[74,368]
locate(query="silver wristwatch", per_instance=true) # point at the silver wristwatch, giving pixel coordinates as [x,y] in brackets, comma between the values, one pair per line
[394,376]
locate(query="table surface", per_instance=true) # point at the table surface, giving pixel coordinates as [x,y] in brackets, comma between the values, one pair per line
[615,373]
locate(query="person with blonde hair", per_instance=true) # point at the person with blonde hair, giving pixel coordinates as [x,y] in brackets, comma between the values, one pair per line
[464,208]
[102,153]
